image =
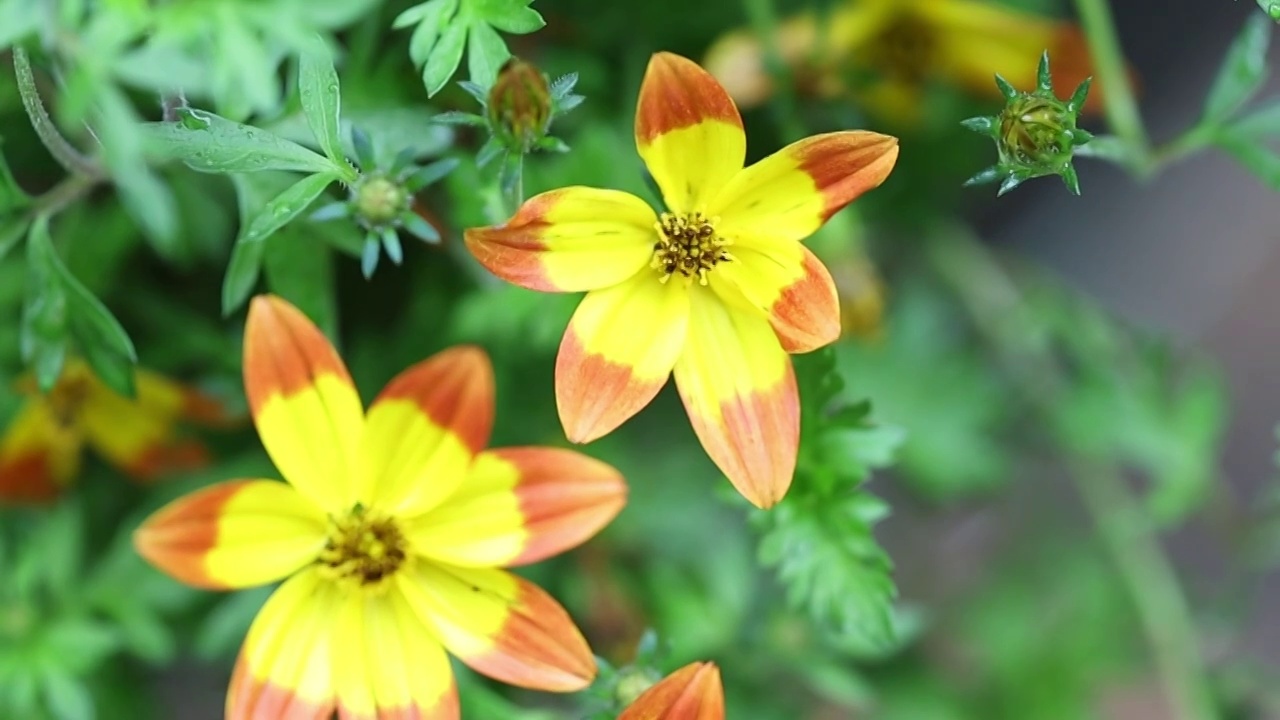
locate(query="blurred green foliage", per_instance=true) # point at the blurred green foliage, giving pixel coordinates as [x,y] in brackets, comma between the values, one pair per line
[196,152]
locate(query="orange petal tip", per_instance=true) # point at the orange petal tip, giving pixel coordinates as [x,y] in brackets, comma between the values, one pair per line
[676,93]
[694,692]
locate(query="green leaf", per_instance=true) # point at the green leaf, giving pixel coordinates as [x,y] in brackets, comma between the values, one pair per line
[513,16]
[318,90]
[1243,70]
[242,275]
[299,268]
[1261,123]
[67,697]
[146,198]
[486,53]
[431,17]
[445,58]
[12,196]
[430,174]
[1254,156]
[831,565]
[285,207]
[45,317]
[17,20]
[11,233]
[210,143]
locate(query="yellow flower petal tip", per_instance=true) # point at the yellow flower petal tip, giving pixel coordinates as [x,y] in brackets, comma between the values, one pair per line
[694,692]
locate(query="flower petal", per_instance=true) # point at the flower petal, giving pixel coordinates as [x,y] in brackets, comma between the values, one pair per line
[164,397]
[618,353]
[285,668]
[233,535]
[425,428]
[138,441]
[387,665]
[693,692]
[688,132]
[305,406]
[38,456]
[788,283]
[501,625]
[569,240]
[791,193]
[738,387]
[519,506]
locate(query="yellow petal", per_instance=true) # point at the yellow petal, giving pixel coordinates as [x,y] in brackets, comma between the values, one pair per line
[791,193]
[568,240]
[618,353]
[424,429]
[687,131]
[306,408]
[142,443]
[740,393]
[39,456]
[501,625]
[233,535]
[285,668]
[387,665]
[787,283]
[521,505]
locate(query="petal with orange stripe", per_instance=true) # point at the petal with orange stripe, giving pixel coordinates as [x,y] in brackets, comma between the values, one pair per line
[786,281]
[306,408]
[285,668]
[791,193]
[141,443]
[694,692]
[501,625]
[39,456]
[569,240]
[618,353]
[688,132]
[424,429]
[738,387]
[519,506]
[165,398]
[387,665]
[233,535]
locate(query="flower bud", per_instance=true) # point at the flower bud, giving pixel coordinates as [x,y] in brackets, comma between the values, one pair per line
[519,104]
[379,200]
[1036,130]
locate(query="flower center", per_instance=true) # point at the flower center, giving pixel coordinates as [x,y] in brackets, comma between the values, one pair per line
[688,244]
[66,399]
[364,550]
[905,49]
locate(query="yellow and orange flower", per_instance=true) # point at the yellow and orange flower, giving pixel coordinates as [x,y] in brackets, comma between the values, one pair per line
[899,46]
[41,451]
[391,532]
[717,289]
[693,692]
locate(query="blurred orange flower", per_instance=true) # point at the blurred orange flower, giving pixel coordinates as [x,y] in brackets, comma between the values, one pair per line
[41,451]
[693,692]
[884,52]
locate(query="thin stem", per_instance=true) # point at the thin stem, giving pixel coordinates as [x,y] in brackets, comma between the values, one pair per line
[994,303]
[1119,101]
[1153,585]
[62,151]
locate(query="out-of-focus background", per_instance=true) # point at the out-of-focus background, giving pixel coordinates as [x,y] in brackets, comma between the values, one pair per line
[1066,458]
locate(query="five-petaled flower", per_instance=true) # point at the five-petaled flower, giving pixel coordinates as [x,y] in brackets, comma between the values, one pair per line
[391,533]
[41,451]
[693,692]
[717,288]
[885,52]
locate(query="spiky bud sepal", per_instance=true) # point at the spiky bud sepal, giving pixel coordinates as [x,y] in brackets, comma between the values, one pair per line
[1035,134]
[381,201]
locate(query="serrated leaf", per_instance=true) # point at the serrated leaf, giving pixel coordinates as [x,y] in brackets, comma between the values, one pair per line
[432,16]
[445,58]
[318,90]
[1243,70]
[210,143]
[1254,156]
[486,52]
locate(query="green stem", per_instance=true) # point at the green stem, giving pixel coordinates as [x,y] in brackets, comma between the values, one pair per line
[62,151]
[1119,101]
[994,302]
[1153,585]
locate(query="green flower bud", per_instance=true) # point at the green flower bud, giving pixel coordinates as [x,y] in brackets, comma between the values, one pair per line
[520,104]
[632,682]
[379,199]
[1036,130]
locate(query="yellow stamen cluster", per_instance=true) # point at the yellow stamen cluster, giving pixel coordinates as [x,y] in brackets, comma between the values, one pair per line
[364,550]
[688,244]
